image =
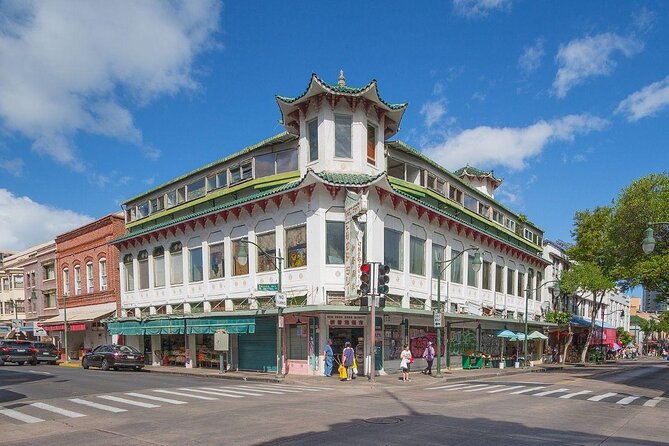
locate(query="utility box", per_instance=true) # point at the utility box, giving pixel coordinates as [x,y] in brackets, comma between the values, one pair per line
[221,341]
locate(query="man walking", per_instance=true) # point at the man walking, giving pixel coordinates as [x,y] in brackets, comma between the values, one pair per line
[329,356]
[347,360]
[428,354]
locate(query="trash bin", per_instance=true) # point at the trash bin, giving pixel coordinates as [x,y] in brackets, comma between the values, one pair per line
[466,361]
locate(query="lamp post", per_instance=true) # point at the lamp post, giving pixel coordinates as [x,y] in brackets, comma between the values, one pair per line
[601,333]
[476,266]
[648,243]
[242,258]
[67,354]
[528,294]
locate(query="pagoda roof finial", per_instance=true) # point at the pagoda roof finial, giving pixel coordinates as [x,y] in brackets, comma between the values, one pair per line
[342,79]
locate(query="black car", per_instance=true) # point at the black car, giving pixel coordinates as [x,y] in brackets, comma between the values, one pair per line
[46,352]
[16,351]
[112,356]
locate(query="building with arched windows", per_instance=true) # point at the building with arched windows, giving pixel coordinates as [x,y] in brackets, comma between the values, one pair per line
[302,211]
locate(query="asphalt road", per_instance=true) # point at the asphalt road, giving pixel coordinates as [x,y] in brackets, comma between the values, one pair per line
[52,405]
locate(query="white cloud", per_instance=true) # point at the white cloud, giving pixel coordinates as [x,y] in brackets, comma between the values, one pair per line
[646,102]
[590,56]
[72,67]
[24,223]
[477,96]
[530,60]
[509,147]
[13,167]
[479,8]
[433,112]
[438,89]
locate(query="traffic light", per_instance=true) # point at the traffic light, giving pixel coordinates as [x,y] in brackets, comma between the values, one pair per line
[383,279]
[365,277]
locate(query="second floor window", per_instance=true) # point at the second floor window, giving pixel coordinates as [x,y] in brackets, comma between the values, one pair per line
[267,242]
[239,269]
[521,282]
[393,249]
[195,272]
[77,280]
[176,264]
[510,280]
[89,277]
[296,247]
[159,266]
[472,276]
[129,272]
[371,144]
[456,266]
[102,265]
[438,255]
[312,137]
[343,136]
[334,244]
[417,255]
[216,261]
[499,278]
[66,282]
[49,272]
[143,263]
[485,276]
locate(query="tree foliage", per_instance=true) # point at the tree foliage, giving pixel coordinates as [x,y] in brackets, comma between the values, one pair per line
[558,317]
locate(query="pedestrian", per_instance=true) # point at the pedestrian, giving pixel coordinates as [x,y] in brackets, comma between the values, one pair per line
[405,357]
[347,359]
[428,354]
[329,357]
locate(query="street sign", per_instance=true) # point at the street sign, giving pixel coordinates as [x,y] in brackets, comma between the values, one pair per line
[437,319]
[268,287]
[280,300]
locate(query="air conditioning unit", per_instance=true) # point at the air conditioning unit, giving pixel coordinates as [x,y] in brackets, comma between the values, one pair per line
[463,309]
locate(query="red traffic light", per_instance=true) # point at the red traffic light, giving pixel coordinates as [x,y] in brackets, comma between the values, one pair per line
[365,268]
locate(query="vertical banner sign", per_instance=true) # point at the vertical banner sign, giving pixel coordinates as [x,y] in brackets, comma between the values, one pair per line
[355,205]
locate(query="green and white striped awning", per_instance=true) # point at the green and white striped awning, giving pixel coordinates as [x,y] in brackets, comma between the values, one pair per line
[181,325]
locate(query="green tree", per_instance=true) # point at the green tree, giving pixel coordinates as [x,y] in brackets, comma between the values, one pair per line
[623,336]
[587,279]
[592,238]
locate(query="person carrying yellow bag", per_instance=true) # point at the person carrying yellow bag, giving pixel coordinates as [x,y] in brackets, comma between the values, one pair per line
[342,372]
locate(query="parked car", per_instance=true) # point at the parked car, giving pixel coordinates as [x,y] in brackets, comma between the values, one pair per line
[46,352]
[20,352]
[112,356]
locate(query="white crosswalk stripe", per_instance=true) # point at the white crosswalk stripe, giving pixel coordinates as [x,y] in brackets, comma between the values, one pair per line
[483,388]
[505,389]
[256,389]
[571,395]
[449,386]
[628,399]
[58,410]
[209,392]
[126,401]
[550,392]
[236,392]
[97,405]
[307,388]
[11,413]
[156,398]
[282,389]
[653,402]
[466,387]
[603,396]
[199,397]
[518,392]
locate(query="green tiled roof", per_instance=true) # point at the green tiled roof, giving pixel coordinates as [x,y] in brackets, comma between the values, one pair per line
[281,137]
[342,89]
[474,172]
[347,178]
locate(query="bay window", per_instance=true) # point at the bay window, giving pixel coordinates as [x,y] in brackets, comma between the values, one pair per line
[128,272]
[159,266]
[267,243]
[176,264]
[334,242]
[143,263]
[343,125]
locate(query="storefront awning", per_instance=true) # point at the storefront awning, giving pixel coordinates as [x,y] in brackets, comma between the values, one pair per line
[209,325]
[192,325]
[75,322]
[125,328]
[163,326]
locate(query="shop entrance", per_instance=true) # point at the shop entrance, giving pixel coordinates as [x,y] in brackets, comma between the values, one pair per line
[356,336]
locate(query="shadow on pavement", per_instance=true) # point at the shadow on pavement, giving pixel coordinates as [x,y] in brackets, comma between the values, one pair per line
[12,378]
[651,375]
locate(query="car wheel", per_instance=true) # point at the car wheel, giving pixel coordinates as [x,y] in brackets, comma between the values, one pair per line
[34,363]
[104,365]
[53,362]
[84,363]
[138,368]
[20,363]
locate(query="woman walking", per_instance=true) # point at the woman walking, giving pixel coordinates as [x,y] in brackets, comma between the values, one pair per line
[347,359]
[405,357]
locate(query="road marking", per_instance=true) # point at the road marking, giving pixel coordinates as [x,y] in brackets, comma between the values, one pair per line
[98,405]
[602,396]
[653,402]
[130,402]
[506,388]
[239,392]
[311,389]
[448,386]
[209,392]
[550,392]
[39,372]
[282,389]
[58,410]
[11,413]
[255,389]
[484,388]
[571,395]
[518,392]
[156,398]
[467,387]
[627,400]
[200,397]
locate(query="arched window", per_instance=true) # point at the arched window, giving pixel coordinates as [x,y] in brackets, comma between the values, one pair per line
[176,263]
[66,281]
[129,272]
[143,263]
[102,271]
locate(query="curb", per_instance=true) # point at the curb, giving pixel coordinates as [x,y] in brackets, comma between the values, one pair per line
[71,365]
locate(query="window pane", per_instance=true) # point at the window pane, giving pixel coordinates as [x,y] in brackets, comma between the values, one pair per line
[286,161]
[176,268]
[181,194]
[334,245]
[456,266]
[211,183]
[235,174]
[539,280]
[342,136]
[18,282]
[371,144]
[392,249]
[129,276]
[89,277]
[221,179]
[265,165]
[521,281]
[66,282]
[471,203]
[216,261]
[247,170]
[312,135]
[510,280]
[237,268]
[171,198]
[267,242]
[159,269]
[196,189]
[438,255]
[472,276]
[296,247]
[77,280]
[416,256]
[195,265]
[486,271]
[499,278]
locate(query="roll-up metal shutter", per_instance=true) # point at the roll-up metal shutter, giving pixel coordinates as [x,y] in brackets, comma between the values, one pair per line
[257,351]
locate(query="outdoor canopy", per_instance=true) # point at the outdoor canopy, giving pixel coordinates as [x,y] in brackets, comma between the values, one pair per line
[537,335]
[197,325]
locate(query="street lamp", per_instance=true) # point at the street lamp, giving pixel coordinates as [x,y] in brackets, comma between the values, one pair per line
[601,334]
[528,294]
[648,243]
[242,258]
[476,266]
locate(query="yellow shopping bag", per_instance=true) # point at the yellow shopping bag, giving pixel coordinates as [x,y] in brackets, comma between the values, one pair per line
[342,371]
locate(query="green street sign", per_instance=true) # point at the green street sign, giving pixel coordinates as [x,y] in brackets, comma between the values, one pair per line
[268,287]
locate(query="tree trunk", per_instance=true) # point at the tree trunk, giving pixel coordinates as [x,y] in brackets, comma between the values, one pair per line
[596,307]
[567,344]
[586,347]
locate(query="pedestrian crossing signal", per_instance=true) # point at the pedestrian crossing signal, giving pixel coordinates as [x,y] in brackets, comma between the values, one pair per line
[383,279]
[365,277]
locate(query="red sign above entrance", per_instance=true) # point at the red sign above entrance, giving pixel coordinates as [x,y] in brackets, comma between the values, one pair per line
[61,327]
[346,320]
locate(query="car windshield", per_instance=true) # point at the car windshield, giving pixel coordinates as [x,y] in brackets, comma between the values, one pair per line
[39,345]
[127,349]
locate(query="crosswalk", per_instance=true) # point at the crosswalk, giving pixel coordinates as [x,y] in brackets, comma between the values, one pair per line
[39,411]
[534,389]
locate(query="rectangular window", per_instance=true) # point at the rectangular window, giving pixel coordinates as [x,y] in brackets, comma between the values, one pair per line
[510,224]
[521,282]
[171,199]
[176,264]
[414,175]
[89,277]
[416,256]
[216,261]
[456,266]
[528,234]
[484,210]
[499,278]
[247,170]
[77,280]
[265,165]
[49,271]
[486,271]
[431,181]
[393,249]
[222,179]
[143,264]
[143,209]
[438,255]
[371,144]
[312,137]
[334,244]
[159,267]
[50,300]
[455,194]
[157,204]
[211,183]
[510,281]
[286,161]
[498,216]
[267,242]
[18,282]
[196,189]
[296,247]
[195,271]
[439,186]
[239,269]
[540,277]
[343,136]
[472,276]
[471,203]
[66,282]
[129,273]
[181,194]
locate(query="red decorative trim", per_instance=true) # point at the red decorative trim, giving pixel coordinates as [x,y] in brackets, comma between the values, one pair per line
[443,220]
[334,190]
[236,211]
[408,206]
[248,207]
[263,204]
[430,216]
[395,200]
[420,210]
[382,193]
[277,200]
[191,224]
[292,196]
[309,191]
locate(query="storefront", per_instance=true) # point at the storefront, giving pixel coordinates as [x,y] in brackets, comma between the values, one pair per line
[343,328]
[85,331]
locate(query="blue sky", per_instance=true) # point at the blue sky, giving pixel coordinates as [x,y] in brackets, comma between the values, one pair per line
[567,101]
